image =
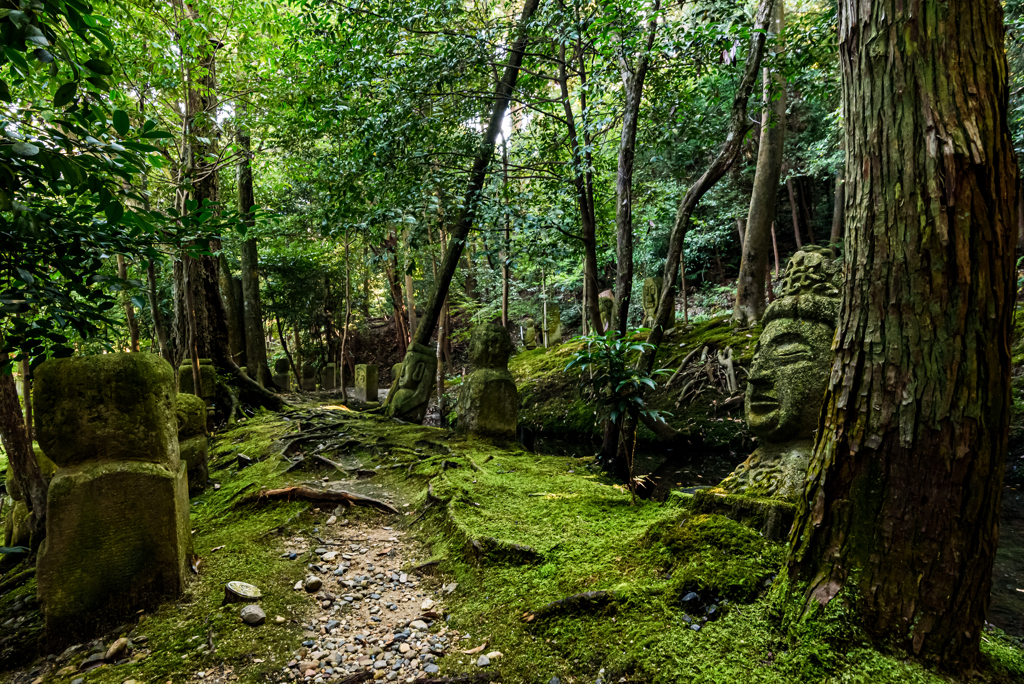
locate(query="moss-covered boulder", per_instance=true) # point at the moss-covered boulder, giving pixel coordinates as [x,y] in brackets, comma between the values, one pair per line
[488,400]
[771,517]
[110,406]
[18,525]
[193,445]
[117,540]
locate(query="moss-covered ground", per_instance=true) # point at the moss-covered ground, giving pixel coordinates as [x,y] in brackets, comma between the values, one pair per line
[519,532]
[550,403]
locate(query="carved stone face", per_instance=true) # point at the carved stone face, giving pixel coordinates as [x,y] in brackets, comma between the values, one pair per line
[413,370]
[652,291]
[788,379]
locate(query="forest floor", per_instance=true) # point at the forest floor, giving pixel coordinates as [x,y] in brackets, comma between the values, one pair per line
[533,560]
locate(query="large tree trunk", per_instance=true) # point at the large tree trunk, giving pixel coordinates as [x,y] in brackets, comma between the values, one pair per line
[738,127]
[477,176]
[632,86]
[795,212]
[21,458]
[255,331]
[750,285]
[231,290]
[901,515]
[158,319]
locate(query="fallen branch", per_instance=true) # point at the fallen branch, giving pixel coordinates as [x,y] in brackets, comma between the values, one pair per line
[331,495]
[572,604]
[686,360]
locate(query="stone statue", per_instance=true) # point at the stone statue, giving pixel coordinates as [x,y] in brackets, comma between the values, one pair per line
[488,400]
[193,446]
[529,334]
[606,302]
[207,376]
[554,326]
[117,514]
[651,297]
[18,522]
[415,383]
[328,381]
[789,376]
[396,375]
[308,380]
[281,377]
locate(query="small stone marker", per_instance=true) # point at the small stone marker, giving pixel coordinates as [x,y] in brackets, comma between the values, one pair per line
[366,382]
[327,379]
[253,615]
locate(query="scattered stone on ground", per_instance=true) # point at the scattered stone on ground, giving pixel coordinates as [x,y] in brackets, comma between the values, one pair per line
[253,615]
[366,614]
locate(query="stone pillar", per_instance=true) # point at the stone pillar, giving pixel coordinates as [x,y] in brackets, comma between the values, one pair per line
[488,400]
[415,385]
[207,375]
[327,380]
[308,382]
[117,527]
[366,382]
[281,377]
[193,445]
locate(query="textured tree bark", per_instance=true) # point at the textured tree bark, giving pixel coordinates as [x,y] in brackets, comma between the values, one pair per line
[477,176]
[738,127]
[801,183]
[632,86]
[750,285]
[255,332]
[158,319]
[26,398]
[410,292]
[129,310]
[901,515]
[18,447]
[231,291]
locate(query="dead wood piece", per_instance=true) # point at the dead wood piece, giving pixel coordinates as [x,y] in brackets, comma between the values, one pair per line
[330,495]
[424,566]
[356,678]
[328,462]
[503,551]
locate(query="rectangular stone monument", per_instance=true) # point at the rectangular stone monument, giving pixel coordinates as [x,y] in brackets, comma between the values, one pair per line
[366,382]
[284,381]
[327,380]
[117,525]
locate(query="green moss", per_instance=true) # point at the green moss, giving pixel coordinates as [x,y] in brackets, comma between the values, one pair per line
[550,402]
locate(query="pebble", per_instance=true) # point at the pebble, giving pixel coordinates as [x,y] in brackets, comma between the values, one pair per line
[427,604]
[279,619]
[253,615]
[333,519]
[483,661]
[313,584]
[116,649]
[419,624]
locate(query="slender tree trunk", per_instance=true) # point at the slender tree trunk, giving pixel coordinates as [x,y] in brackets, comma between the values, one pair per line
[750,292]
[588,224]
[348,319]
[26,398]
[255,332]
[801,183]
[18,446]
[632,86]
[741,229]
[193,328]
[477,176]
[233,307]
[410,293]
[129,310]
[795,212]
[506,252]
[775,249]
[1020,217]
[738,127]
[901,516]
[158,318]
[284,347]
[837,214]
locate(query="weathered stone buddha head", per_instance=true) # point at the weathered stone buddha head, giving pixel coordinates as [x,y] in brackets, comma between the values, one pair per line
[651,295]
[529,334]
[490,347]
[414,384]
[789,376]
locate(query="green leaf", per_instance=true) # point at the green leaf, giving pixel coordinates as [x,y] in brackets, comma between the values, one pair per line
[114,212]
[65,94]
[18,18]
[17,59]
[5,92]
[157,134]
[25,276]
[24,149]
[43,56]
[121,123]
[99,66]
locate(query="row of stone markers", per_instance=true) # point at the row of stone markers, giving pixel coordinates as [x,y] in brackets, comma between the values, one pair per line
[308,382]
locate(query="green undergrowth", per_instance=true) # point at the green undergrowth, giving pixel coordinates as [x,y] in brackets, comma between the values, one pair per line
[550,402]
[518,532]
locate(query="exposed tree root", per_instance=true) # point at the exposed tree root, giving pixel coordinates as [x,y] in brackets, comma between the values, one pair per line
[330,495]
[577,603]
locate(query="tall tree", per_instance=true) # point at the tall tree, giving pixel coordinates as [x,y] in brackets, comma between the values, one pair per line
[477,175]
[901,515]
[255,332]
[750,285]
[633,76]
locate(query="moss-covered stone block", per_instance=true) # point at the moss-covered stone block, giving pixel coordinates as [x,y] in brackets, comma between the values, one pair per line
[284,381]
[207,376]
[193,445]
[117,540]
[18,525]
[488,399]
[366,387]
[328,381]
[190,412]
[109,406]
[771,517]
